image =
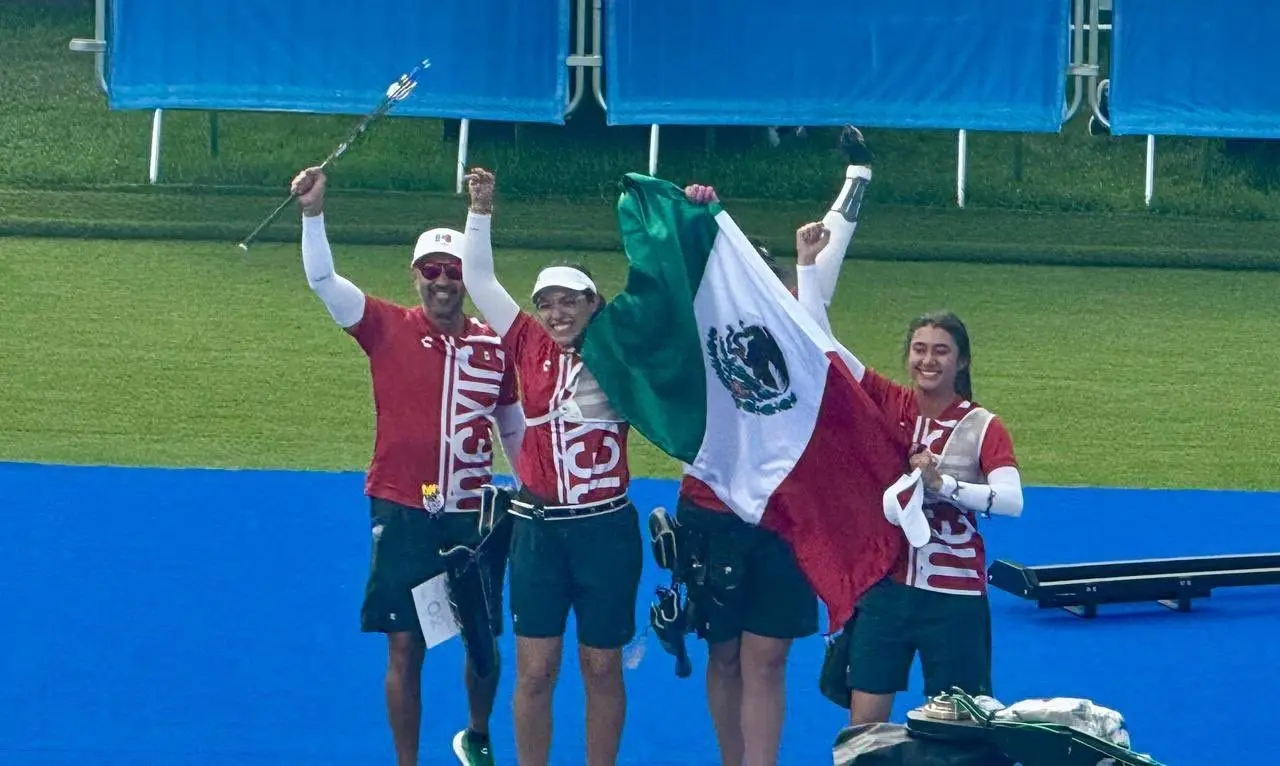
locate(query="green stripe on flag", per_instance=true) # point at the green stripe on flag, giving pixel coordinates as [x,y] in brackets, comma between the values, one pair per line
[644,347]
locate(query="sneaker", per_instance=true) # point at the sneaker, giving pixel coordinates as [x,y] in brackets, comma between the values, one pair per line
[854,146]
[471,752]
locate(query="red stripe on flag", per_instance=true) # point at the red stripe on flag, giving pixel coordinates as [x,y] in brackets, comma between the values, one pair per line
[830,509]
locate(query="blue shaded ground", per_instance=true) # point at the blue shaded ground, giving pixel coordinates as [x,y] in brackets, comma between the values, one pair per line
[211,617]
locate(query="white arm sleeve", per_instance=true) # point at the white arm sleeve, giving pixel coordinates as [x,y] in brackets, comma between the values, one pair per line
[832,256]
[510,421]
[491,299]
[1001,495]
[344,300]
[808,291]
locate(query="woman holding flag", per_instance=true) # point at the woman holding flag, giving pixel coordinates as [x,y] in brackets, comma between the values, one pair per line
[935,600]
[576,540]
[750,622]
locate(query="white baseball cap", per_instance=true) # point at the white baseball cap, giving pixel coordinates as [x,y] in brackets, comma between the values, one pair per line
[564,277]
[904,507]
[439,241]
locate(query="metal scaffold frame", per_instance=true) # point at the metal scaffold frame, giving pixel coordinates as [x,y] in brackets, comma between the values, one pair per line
[1087,85]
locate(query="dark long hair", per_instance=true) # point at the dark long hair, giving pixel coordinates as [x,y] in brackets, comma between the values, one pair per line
[959,335]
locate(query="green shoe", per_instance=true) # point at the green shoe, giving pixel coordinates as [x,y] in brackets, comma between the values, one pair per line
[470,752]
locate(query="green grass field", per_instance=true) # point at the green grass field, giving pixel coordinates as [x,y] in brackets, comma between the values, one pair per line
[192,354]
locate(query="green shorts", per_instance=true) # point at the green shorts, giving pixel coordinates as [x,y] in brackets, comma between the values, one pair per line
[406,553]
[754,584]
[952,633]
[591,566]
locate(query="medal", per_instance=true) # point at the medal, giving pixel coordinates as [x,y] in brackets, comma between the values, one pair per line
[432,500]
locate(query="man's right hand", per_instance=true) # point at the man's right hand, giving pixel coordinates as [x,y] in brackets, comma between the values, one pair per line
[480,185]
[309,187]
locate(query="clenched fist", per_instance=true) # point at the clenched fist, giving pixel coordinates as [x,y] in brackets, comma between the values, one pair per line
[309,187]
[480,186]
[810,239]
[701,195]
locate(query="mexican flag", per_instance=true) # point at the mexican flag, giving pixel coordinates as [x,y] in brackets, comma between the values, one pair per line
[710,357]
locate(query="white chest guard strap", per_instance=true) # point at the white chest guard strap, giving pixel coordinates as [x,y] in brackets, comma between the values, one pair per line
[585,402]
[962,455]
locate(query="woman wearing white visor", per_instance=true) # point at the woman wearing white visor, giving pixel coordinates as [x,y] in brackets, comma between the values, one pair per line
[576,542]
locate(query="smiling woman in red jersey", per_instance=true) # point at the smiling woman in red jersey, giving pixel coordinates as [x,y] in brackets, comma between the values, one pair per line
[576,541]
[935,600]
[440,380]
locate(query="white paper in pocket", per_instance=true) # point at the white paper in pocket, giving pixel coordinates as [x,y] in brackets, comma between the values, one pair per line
[431,599]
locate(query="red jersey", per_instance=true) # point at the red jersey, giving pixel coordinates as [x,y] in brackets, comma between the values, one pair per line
[575,446]
[434,395]
[697,492]
[954,559]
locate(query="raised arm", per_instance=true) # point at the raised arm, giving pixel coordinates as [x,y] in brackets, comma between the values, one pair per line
[841,220]
[341,297]
[812,239]
[493,302]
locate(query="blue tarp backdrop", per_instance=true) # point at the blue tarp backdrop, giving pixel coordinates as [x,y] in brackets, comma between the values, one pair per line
[1191,68]
[491,59]
[975,64]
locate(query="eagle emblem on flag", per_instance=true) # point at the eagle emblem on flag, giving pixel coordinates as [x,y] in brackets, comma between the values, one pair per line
[750,364]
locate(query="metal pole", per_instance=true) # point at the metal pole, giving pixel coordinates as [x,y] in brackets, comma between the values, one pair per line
[96,46]
[1151,169]
[464,134]
[577,60]
[597,25]
[100,33]
[157,123]
[962,166]
[1095,87]
[653,150]
[1077,69]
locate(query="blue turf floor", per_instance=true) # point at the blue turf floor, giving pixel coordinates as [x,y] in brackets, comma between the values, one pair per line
[211,617]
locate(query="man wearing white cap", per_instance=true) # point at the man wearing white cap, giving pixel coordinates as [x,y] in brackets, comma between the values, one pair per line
[440,380]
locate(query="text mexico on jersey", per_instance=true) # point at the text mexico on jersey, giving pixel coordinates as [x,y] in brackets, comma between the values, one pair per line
[435,397]
[575,448]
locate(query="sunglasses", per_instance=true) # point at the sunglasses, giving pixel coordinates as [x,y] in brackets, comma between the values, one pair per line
[433,271]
